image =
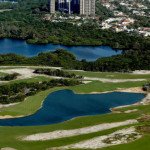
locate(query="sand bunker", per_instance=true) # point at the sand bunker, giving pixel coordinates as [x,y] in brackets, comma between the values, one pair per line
[141,72]
[68,133]
[119,137]
[113,80]
[7,148]
[7,105]
[23,72]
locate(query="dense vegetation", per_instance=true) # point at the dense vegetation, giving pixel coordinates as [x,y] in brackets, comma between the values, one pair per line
[10,93]
[9,77]
[128,61]
[146,87]
[25,21]
[57,72]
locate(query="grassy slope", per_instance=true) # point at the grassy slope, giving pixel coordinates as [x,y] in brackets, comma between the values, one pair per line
[12,135]
[2,74]
[111,75]
[95,86]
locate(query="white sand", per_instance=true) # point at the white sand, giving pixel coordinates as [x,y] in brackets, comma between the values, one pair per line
[7,105]
[131,90]
[9,116]
[23,72]
[68,133]
[146,100]
[130,111]
[141,72]
[7,148]
[113,80]
[119,137]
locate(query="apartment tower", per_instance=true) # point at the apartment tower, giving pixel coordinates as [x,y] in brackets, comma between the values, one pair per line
[52,6]
[82,7]
[87,7]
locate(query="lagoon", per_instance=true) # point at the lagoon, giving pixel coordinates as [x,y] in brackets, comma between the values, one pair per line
[89,53]
[64,105]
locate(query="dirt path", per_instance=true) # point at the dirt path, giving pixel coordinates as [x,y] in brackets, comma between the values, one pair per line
[68,133]
[113,80]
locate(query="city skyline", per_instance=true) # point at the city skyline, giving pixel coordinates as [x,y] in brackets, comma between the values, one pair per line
[82,7]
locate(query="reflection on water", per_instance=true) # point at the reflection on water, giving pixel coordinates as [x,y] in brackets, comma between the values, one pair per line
[81,52]
[63,105]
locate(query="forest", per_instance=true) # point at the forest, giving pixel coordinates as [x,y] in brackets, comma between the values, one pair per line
[25,21]
[16,92]
[128,61]
[57,73]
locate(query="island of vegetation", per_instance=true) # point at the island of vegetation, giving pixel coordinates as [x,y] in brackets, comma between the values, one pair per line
[126,62]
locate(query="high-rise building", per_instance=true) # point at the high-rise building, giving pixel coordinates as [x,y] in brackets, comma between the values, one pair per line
[52,6]
[83,7]
[87,7]
[64,6]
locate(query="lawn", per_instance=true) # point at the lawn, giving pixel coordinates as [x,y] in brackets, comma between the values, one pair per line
[9,135]
[2,74]
[97,86]
[111,75]
[32,103]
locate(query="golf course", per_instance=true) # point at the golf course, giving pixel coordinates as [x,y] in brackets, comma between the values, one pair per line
[120,129]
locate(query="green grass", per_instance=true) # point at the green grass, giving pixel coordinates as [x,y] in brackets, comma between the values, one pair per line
[2,74]
[141,144]
[97,86]
[9,135]
[32,103]
[111,75]
[29,106]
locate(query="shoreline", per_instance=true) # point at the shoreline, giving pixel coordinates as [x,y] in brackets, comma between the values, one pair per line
[129,90]
[132,90]
[144,101]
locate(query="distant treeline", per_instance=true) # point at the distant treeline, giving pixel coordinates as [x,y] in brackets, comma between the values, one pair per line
[128,61]
[58,73]
[26,21]
[16,92]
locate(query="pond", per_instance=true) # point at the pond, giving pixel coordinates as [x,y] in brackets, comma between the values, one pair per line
[64,105]
[89,53]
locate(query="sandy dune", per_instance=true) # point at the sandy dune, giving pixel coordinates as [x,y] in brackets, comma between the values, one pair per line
[141,72]
[119,137]
[7,105]
[7,148]
[113,80]
[68,133]
[23,72]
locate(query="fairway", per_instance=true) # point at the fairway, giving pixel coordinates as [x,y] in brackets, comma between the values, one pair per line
[12,138]
[111,75]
